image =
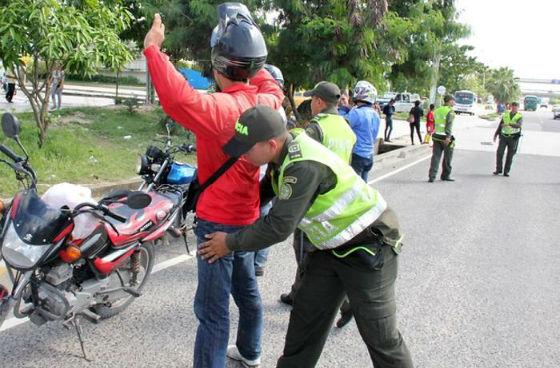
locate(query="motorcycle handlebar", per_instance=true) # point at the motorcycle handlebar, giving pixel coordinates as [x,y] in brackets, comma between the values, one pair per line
[107,212]
[8,152]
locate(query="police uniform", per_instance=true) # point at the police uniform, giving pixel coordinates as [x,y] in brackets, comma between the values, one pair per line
[509,131]
[357,241]
[333,131]
[444,117]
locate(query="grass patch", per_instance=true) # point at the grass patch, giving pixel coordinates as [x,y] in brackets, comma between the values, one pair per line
[492,116]
[88,145]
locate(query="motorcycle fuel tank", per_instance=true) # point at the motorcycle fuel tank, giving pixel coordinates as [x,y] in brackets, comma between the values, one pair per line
[181,174]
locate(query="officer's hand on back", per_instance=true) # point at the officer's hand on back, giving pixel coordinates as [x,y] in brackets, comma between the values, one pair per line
[156,34]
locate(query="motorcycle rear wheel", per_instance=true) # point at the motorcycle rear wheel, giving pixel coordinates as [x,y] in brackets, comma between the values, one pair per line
[117,302]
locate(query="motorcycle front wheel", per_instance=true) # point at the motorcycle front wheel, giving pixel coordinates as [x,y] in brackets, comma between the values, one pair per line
[132,274]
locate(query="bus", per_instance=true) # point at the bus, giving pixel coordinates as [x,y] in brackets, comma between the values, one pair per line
[465,102]
[531,103]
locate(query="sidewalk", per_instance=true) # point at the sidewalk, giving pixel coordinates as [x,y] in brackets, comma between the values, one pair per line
[76,95]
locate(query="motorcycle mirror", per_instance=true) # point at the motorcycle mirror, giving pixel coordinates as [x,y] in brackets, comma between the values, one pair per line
[138,200]
[10,125]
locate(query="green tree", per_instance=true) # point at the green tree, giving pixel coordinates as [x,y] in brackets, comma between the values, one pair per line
[503,85]
[339,41]
[433,36]
[80,36]
[459,71]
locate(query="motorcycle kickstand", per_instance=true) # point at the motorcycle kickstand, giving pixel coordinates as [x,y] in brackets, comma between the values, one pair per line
[76,323]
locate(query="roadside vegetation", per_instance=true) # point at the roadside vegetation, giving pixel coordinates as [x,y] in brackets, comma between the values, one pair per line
[89,145]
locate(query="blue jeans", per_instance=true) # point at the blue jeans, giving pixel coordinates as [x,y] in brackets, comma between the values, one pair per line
[262,255]
[362,165]
[235,274]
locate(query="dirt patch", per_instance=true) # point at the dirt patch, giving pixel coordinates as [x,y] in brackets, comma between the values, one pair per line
[75,118]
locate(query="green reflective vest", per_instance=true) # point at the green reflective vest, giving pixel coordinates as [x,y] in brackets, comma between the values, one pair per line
[507,129]
[337,135]
[343,212]
[440,118]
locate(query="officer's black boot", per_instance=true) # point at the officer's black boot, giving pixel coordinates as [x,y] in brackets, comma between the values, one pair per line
[345,317]
[345,314]
[287,299]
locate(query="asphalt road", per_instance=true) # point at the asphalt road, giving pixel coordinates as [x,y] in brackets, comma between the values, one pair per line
[478,284]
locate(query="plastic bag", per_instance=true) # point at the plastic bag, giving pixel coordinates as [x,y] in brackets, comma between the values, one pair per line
[66,194]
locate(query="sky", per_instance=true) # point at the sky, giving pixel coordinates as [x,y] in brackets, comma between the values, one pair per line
[515,33]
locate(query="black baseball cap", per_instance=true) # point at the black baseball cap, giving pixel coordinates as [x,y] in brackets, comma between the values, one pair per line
[325,91]
[255,125]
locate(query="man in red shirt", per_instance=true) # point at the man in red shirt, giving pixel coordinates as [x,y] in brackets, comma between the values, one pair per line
[232,202]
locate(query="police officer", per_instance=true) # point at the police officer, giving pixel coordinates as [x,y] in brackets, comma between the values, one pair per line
[444,142]
[332,130]
[509,131]
[357,240]
[327,126]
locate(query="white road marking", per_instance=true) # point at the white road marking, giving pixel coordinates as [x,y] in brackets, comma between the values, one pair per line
[398,170]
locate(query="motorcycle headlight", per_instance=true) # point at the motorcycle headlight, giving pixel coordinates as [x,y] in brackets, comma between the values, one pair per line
[19,254]
[142,166]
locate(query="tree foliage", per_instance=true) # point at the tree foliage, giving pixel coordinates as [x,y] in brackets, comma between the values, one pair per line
[411,43]
[503,85]
[80,36]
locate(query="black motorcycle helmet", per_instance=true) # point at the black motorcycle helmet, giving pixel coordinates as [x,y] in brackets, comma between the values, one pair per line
[238,47]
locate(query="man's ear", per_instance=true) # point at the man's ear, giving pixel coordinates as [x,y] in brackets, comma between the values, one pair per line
[274,144]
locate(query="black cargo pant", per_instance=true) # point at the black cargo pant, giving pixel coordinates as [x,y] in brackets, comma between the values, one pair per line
[372,298]
[437,150]
[10,92]
[511,143]
[301,251]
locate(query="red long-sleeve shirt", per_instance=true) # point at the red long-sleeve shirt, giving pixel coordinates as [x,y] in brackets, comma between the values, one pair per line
[234,198]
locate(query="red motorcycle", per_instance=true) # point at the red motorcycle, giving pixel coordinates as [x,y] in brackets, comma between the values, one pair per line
[57,277]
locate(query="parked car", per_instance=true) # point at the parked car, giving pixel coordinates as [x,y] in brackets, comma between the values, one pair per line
[405,101]
[385,99]
[556,111]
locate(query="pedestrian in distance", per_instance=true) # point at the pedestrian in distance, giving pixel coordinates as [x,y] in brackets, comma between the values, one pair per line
[238,53]
[357,242]
[57,87]
[388,111]
[509,131]
[444,141]
[11,79]
[415,116]
[430,125]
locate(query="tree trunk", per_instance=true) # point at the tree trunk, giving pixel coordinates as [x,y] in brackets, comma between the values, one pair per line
[117,87]
[39,104]
[435,77]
